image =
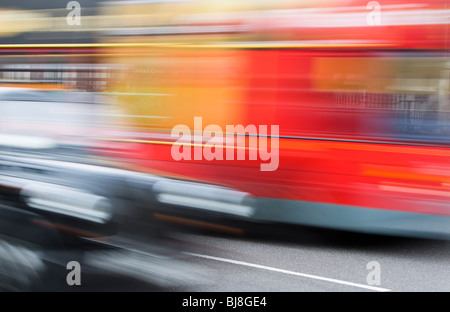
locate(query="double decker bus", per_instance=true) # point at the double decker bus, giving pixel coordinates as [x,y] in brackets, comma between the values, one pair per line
[359,91]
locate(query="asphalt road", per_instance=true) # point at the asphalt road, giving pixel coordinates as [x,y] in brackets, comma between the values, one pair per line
[298,259]
[292,259]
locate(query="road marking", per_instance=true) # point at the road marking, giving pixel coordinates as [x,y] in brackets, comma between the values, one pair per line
[263,267]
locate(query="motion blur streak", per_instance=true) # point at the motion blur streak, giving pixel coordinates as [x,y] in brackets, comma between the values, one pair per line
[359,91]
[71,201]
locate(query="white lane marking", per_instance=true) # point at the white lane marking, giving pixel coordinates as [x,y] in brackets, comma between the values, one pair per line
[263,267]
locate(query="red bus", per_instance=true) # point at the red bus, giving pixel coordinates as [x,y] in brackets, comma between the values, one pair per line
[359,91]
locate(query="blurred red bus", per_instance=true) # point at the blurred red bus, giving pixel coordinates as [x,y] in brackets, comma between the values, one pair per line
[359,90]
[361,100]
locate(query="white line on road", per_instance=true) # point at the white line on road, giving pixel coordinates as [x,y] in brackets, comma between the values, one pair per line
[263,267]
